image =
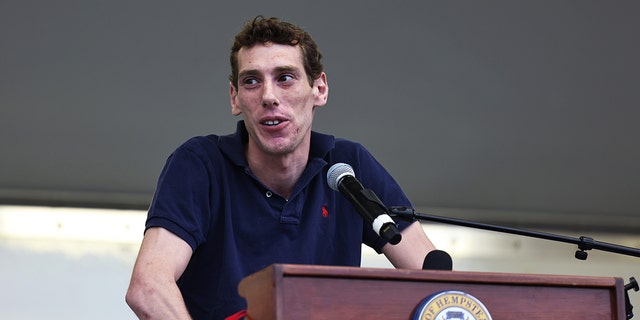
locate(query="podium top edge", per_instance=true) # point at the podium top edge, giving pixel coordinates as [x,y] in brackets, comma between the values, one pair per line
[299,270]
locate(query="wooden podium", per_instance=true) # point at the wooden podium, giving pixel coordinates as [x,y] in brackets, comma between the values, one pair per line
[283,291]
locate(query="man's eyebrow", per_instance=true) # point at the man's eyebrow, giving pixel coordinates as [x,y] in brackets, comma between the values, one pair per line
[287,69]
[245,73]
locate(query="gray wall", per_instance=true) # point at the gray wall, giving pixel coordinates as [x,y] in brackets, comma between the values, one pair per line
[492,110]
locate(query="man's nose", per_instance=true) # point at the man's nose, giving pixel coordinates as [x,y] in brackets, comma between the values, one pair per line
[269,97]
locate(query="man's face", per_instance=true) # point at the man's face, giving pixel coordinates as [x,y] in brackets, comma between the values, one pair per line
[275,97]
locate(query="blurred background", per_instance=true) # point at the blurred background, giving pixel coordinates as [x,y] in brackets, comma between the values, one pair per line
[515,113]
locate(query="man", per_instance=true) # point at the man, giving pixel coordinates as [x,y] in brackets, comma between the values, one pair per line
[228,206]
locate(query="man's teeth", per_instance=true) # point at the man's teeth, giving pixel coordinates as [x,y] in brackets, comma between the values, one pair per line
[272,122]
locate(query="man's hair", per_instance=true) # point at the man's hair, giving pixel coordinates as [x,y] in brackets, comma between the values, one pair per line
[262,30]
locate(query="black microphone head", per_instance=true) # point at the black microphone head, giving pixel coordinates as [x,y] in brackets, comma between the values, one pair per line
[337,172]
[437,260]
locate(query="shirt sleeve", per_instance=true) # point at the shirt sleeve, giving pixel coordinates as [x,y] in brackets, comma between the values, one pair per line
[181,203]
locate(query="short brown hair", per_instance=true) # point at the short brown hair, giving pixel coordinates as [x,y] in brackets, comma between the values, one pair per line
[273,30]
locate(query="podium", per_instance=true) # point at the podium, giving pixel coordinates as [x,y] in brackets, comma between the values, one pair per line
[283,291]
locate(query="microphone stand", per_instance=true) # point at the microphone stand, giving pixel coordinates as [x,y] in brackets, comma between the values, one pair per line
[584,243]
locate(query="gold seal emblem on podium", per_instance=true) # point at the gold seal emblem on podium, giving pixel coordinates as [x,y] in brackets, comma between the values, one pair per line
[451,305]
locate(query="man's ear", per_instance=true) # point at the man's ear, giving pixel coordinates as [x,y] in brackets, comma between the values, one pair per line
[321,90]
[233,97]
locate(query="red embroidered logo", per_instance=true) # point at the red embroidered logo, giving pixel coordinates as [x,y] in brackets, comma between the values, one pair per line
[325,212]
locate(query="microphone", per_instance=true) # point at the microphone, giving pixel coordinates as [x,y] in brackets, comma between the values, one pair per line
[437,260]
[341,177]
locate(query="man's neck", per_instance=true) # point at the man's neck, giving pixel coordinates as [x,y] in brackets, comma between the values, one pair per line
[278,172]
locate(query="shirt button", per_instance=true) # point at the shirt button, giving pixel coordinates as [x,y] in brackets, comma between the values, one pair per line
[269,194]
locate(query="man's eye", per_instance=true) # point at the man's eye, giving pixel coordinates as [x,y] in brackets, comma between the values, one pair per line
[285,77]
[250,81]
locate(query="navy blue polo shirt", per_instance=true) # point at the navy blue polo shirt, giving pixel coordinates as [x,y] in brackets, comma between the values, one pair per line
[208,196]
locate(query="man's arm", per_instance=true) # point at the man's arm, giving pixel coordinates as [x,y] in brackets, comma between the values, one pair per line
[410,252]
[153,293]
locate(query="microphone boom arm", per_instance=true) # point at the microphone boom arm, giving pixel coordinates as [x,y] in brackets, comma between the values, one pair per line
[584,243]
